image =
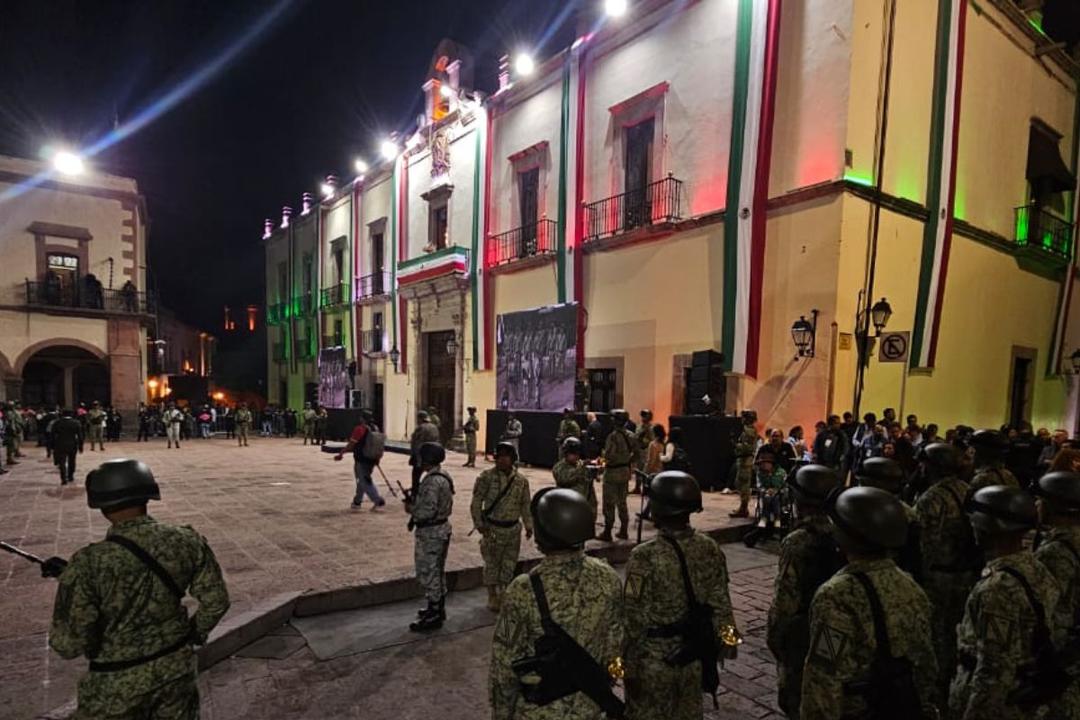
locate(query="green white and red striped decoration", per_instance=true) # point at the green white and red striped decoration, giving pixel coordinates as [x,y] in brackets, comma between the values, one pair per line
[753,110]
[941,183]
[1068,279]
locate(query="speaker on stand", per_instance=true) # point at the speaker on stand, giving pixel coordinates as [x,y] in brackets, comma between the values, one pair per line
[705,379]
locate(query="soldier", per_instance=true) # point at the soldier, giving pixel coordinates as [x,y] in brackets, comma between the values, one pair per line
[96,423]
[996,636]
[430,509]
[581,595]
[949,556]
[568,427]
[643,435]
[120,603]
[322,422]
[571,473]
[865,618]
[19,424]
[620,456]
[500,500]
[67,440]
[512,433]
[308,419]
[990,448]
[243,421]
[659,623]
[11,429]
[433,416]
[144,424]
[886,474]
[745,448]
[470,428]
[808,557]
[425,432]
[173,419]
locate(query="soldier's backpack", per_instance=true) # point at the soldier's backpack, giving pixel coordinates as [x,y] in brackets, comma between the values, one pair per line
[374,445]
[889,690]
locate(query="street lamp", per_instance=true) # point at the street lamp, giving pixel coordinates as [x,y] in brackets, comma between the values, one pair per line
[452,346]
[524,64]
[66,162]
[804,334]
[880,313]
[395,356]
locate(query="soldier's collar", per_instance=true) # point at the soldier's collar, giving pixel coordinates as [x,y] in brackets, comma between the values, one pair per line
[133,522]
[563,557]
[869,565]
[679,534]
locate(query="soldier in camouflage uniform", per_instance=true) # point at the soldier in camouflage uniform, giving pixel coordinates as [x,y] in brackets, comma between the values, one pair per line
[949,557]
[656,604]
[995,636]
[96,425]
[1059,551]
[119,604]
[868,523]
[568,427]
[570,472]
[243,424]
[643,435]
[808,558]
[990,448]
[433,417]
[429,511]
[425,432]
[470,427]
[886,474]
[620,457]
[585,599]
[500,506]
[308,418]
[745,448]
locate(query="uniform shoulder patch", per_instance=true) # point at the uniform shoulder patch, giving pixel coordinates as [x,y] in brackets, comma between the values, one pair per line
[635,583]
[996,629]
[829,646]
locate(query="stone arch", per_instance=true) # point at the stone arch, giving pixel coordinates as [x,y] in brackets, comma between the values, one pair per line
[29,352]
[5,367]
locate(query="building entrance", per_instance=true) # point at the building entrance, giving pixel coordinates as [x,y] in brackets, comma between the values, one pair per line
[439,380]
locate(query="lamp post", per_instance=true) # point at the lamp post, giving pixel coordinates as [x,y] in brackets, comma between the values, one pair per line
[804,334]
[395,356]
[880,313]
[452,346]
[877,315]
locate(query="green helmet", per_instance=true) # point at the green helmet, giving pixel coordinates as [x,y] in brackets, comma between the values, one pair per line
[941,460]
[431,454]
[813,483]
[562,518]
[506,448]
[674,492]
[883,473]
[119,484]
[998,509]
[868,518]
[1061,490]
[619,415]
[571,445]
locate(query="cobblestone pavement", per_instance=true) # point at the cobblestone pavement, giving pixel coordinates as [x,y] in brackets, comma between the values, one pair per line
[276,514]
[447,674]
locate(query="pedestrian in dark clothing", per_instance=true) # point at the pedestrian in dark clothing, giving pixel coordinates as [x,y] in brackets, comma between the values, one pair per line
[67,434]
[831,446]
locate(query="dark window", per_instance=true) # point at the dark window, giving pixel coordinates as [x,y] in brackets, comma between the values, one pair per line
[61,279]
[638,173]
[376,332]
[339,264]
[1047,173]
[377,263]
[529,207]
[601,389]
[437,227]
[307,277]
[339,333]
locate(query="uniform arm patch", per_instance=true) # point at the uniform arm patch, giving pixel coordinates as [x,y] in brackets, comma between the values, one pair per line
[829,646]
[635,584]
[997,630]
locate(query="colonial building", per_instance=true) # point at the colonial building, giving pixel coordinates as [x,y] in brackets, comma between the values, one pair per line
[850,210]
[74,310]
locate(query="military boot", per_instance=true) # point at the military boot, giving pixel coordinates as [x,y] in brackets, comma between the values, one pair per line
[431,621]
[432,608]
[493,598]
[741,512]
[622,534]
[606,535]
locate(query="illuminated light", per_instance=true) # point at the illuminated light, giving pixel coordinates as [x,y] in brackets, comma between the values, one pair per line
[615,8]
[326,189]
[389,149]
[68,163]
[446,91]
[152,384]
[866,180]
[524,64]
[219,395]
[360,166]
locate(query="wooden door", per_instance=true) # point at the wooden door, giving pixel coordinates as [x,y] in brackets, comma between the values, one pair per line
[440,380]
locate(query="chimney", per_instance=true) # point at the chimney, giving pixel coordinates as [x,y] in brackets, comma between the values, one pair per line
[306,201]
[286,213]
[504,72]
[333,182]
[268,228]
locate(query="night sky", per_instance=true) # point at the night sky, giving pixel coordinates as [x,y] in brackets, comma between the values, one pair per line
[321,83]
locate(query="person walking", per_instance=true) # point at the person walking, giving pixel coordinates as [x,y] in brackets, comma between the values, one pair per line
[643,435]
[745,449]
[470,427]
[242,422]
[120,603]
[173,420]
[367,451]
[429,510]
[500,507]
[67,441]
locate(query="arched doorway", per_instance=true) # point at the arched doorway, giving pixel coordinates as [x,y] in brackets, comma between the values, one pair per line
[64,375]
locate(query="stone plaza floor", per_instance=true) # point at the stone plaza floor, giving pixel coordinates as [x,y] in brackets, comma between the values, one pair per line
[276,514]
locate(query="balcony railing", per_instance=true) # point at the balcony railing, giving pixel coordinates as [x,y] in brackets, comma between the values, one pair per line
[276,314]
[371,342]
[1039,229]
[78,297]
[335,340]
[527,241]
[656,203]
[305,350]
[373,286]
[303,305]
[335,296]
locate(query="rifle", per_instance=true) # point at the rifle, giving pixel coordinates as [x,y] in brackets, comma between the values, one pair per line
[407,496]
[646,481]
[387,481]
[51,567]
[21,553]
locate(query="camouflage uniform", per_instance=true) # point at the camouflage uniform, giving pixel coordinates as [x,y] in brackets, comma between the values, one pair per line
[994,638]
[843,643]
[309,418]
[620,455]
[470,428]
[96,420]
[243,422]
[993,474]
[1058,552]
[425,432]
[802,570]
[949,569]
[430,512]
[567,428]
[643,435]
[585,598]
[655,597]
[110,607]
[575,476]
[745,448]
[498,524]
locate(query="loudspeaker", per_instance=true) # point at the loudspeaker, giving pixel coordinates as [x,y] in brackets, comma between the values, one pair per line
[705,376]
[709,442]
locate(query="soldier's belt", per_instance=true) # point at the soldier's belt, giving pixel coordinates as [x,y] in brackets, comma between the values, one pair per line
[501,523]
[429,523]
[119,665]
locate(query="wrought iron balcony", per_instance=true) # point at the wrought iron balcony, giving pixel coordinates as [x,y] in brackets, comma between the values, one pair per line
[305,348]
[335,340]
[303,305]
[78,297]
[371,342]
[528,241]
[1038,229]
[375,285]
[336,295]
[656,203]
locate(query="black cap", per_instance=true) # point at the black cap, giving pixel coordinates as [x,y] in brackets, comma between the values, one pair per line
[813,483]
[646,413]
[989,440]
[1061,489]
[505,448]
[869,518]
[620,415]
[562,518]
[940,459]
[119,484]
[431,454]
[674,492]
[1001,509]
[571,445]
[882,473]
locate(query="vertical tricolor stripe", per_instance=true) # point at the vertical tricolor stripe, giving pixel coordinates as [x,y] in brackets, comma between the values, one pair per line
[941,181]
[393,255]
[565,230]
[578,259]
[1068,278]
[753,109]
[479,245]
[403,255]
